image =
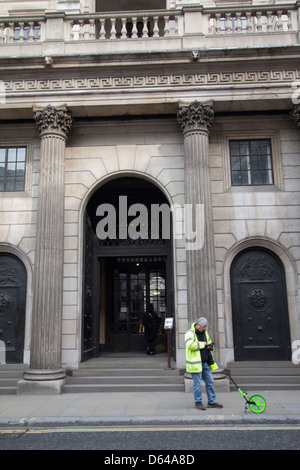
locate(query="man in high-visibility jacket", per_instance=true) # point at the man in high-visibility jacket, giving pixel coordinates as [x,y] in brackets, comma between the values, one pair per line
[200,363]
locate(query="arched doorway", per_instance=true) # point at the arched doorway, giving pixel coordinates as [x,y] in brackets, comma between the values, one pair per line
[13,281]
[128,264]
[259,307]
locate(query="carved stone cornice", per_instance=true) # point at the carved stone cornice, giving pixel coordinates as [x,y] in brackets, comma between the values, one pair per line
[296,114]
[195,117]
[53,120]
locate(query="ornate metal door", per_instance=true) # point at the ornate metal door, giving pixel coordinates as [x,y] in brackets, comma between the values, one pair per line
[259,307]
[13,279]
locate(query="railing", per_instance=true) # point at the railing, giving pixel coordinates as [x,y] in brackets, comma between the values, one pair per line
[20,31]
[203,22]
[250,21]
[123,26]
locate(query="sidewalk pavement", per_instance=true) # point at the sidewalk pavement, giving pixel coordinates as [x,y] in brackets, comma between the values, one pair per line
[144,408]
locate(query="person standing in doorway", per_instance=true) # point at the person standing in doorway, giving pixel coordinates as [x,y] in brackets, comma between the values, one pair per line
[200,362]
[151,323]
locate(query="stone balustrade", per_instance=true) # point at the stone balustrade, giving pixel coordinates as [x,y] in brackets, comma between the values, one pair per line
[20,31]
[123,26]
[201,23]
[250,21]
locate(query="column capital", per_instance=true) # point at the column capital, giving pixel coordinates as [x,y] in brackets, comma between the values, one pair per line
[295,113]
[195,116]
[53,120]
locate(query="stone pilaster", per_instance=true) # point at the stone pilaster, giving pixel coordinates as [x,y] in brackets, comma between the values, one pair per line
[195,121]
[45,355]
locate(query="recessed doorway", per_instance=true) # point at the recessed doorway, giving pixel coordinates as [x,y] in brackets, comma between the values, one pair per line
[128,264]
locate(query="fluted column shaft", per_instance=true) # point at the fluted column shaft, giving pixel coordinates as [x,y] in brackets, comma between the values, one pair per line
[45,355]
[195,121]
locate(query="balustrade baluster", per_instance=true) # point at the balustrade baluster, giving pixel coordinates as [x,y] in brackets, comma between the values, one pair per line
[123,29]
[279,21]
[102,28]
[2,32]
[167,26]
[21,35]
[249,26]
[86,31]
[113,31]
[176,25]
[134,28]
[155,27]
[228,28]
[11,33]
[239,28]
[81,32]
[218,23]
[210,27]
[39,29]
[30,31]
[269,21]
[289,24]
[145,26]
[72,30]
[259,23]
[92,34]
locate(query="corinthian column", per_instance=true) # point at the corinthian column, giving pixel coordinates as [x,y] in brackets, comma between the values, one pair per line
[45,355]
[195,121]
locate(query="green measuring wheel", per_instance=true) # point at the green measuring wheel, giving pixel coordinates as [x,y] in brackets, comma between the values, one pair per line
[257,404]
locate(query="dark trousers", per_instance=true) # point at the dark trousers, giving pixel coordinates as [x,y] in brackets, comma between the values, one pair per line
[150,345]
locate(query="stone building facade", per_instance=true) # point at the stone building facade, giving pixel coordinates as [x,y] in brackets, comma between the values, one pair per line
[175,104]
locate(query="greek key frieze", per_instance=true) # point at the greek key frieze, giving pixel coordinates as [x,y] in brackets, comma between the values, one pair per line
[145,81]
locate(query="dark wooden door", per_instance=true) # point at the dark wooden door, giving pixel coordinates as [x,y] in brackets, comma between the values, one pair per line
[13,280]
[259,307]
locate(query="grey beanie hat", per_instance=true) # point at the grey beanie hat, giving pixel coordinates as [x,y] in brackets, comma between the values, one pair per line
[202,321]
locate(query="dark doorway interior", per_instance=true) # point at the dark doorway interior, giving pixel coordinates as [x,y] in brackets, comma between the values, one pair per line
[129,5]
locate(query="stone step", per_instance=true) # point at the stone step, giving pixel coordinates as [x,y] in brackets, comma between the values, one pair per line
[10,374]
[264,375]
[275,379]
[127,379]
[265,372]
[263,365]
[124,372]
[7,390]
[123,380]
[117,388]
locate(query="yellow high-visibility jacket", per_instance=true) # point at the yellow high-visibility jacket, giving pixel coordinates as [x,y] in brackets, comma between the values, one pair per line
[192,351]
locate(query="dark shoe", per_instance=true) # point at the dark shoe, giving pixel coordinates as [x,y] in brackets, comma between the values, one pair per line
[200,406]
[214,405]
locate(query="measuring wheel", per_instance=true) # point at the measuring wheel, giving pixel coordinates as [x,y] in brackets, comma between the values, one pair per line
[257,404]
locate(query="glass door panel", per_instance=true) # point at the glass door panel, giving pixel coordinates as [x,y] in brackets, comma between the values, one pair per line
[133,288]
